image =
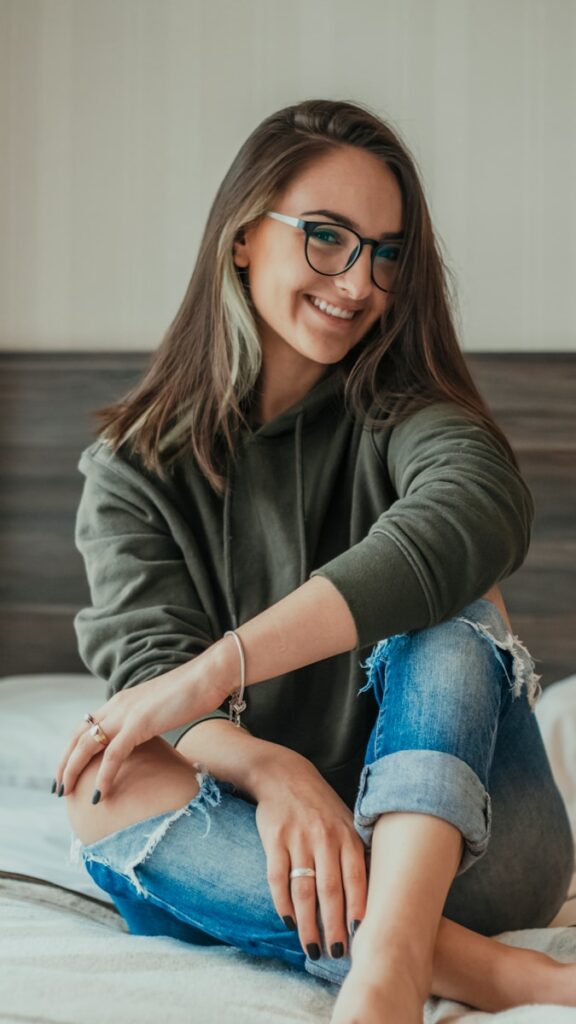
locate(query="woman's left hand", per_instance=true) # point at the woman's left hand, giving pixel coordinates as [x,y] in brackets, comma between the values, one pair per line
[135,715]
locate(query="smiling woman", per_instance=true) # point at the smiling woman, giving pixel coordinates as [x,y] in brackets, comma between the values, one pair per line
[304,486]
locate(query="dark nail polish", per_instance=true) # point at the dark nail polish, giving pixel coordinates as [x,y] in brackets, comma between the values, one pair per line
[289,922]
[337,950]
[54,784]
[313,951]
[96,797]
[354,928]
[61,789]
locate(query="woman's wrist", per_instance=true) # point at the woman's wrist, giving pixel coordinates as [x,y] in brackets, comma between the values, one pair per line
[217,669]
[271,765]
[253,765]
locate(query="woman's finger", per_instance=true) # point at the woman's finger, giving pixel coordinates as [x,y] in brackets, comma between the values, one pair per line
[87,746]
[71,749]
[330,893]
[305,902]
[278,870]
[115,754]
[354,881]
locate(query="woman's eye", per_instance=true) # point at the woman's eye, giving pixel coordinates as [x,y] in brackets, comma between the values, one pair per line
[327,235]
[389,253]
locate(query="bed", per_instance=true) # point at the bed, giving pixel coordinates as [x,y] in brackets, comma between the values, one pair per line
[65,951]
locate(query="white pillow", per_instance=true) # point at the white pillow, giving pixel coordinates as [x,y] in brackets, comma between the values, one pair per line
[37,715]
[556,714]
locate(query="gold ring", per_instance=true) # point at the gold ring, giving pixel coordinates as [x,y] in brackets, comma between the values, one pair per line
[99,735]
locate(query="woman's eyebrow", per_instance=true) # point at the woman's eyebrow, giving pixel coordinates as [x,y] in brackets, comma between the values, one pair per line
[343,219]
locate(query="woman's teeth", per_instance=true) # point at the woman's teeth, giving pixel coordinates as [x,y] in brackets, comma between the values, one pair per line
[331,310]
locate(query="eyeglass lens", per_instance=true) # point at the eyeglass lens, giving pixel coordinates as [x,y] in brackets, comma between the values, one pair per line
[331,249]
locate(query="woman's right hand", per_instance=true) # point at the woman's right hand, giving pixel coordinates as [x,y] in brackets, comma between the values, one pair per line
[302,822]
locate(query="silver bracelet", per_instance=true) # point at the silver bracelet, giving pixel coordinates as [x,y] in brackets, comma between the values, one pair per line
[237,702]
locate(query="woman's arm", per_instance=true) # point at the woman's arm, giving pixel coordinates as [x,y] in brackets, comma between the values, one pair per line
[252,765]
[308,625]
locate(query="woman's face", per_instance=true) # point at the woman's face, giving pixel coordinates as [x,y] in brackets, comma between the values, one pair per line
[348,182]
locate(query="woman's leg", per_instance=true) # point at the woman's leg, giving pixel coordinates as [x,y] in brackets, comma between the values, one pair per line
[197,873]
[204,868]
[450,730]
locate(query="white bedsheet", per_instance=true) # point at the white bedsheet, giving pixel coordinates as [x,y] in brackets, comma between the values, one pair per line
[66,959]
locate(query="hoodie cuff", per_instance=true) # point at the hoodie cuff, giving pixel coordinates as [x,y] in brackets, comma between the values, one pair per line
[380,587]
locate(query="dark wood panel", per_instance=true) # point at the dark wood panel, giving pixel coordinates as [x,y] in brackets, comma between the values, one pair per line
[533,397]
[38,639]
[46,405]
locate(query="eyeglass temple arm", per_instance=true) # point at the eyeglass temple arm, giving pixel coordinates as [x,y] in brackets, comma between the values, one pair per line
[293,221]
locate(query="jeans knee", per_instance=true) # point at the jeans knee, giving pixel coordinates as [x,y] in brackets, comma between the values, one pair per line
[474,644]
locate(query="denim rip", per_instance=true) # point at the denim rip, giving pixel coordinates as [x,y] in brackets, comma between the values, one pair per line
[209,794]
[523,673]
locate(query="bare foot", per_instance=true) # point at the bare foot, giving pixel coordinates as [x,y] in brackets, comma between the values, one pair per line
[558,983]
[377,990]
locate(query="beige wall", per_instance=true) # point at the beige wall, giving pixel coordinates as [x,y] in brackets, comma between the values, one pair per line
[118,119]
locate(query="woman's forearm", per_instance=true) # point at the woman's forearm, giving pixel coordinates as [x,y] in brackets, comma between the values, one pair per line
[236,756]
[308,625]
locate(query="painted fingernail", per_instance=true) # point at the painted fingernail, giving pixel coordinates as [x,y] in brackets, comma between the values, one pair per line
[54,784]
[61,789]
[313,950]
[96,797]
[337,950]
[354,928]
[289,922]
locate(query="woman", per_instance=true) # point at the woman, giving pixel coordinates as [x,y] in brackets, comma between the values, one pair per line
[306,485]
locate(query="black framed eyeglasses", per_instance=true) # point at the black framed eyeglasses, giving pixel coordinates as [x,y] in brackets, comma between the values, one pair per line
[331,249]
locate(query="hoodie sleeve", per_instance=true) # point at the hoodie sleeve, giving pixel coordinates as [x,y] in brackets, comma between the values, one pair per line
[145,617]
[461,522]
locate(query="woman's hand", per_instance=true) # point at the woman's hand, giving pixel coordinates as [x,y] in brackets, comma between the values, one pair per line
[135,715]
[302,822]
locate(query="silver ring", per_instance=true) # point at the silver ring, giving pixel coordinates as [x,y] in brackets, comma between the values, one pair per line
[302,873]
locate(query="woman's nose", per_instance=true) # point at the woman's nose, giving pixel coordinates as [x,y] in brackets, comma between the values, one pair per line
[356,282]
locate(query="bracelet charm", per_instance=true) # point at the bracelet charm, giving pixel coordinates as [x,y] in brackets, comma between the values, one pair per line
[237,704]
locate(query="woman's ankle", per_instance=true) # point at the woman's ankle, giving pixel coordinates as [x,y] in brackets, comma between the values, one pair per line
[376,953]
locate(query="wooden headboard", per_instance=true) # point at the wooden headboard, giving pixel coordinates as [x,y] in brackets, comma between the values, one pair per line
[46,401]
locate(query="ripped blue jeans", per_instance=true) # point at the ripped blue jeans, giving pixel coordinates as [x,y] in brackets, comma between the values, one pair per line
[455,737]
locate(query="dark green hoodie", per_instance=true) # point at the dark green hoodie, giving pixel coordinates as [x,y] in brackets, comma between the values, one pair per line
[410,523]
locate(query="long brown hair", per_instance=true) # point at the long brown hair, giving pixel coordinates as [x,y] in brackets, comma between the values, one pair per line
[196,393]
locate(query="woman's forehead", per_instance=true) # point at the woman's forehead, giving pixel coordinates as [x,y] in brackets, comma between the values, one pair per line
[353,183]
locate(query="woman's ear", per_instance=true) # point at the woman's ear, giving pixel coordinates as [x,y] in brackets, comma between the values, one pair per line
[240,250]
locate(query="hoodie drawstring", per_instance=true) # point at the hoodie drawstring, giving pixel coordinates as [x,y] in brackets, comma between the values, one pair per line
[227,536]
[300,498]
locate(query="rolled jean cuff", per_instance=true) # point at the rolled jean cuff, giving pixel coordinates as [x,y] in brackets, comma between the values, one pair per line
[426,782]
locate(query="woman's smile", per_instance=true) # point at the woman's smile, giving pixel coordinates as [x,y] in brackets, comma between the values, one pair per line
[332,313]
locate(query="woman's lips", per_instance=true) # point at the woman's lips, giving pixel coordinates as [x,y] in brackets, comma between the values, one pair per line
[336,320]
